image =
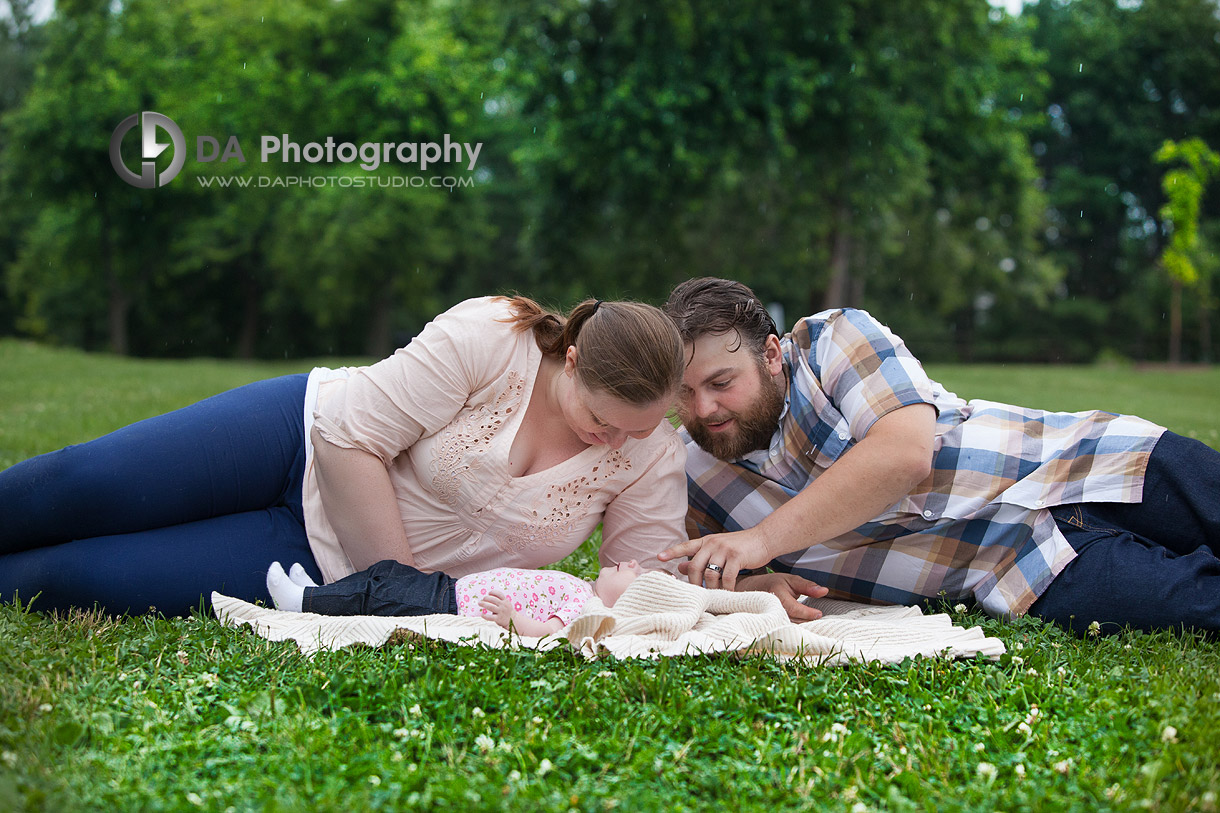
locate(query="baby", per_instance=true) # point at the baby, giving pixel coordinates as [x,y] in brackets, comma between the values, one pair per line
[533,602]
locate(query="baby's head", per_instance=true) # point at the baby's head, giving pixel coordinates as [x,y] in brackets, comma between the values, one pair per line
[613,580]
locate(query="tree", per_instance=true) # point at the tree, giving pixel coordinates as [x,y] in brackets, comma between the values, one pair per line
[1125,77]
[1184,191]
[798,148]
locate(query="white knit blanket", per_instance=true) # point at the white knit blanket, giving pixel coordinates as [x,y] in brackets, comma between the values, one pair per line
[657,615]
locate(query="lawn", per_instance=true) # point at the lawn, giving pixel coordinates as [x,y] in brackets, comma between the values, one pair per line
[147,713]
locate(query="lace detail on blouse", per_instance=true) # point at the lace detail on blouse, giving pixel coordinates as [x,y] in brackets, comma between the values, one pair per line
[558,514]
[458,452]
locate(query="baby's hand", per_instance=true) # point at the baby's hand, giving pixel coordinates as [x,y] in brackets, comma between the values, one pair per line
[497,605]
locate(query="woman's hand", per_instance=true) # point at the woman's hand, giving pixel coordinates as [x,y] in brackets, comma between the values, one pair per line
[716,559]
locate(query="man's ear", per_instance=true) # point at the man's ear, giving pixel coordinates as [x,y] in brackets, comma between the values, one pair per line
[773,356]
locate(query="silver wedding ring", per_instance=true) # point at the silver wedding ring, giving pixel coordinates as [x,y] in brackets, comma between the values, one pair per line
[715,568]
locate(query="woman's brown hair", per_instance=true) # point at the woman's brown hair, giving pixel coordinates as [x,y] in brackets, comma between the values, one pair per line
[629,350]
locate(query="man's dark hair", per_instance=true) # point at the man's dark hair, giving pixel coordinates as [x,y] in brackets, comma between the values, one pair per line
[713,306]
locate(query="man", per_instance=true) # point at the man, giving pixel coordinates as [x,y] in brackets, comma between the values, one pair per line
[829,455]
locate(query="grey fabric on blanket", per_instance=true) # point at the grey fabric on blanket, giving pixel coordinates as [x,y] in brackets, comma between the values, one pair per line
[657,616]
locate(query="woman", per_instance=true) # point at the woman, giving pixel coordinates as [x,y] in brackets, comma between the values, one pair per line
[500,436]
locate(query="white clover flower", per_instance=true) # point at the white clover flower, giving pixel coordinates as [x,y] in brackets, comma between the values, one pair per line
[9,759]
[837,732]
[1025,729]
[1061,672]
[397,757]
[1094,629]
[1063,766]
[1019,770]
[415,711]
[537,721]
[45,707]
[195,799]
[960,609]
[514,776]
[986,770]
[544,767]
[1032,672]
[477,712]
[484,742]
[859,807]
[402,733]
[1019,646]
[1017,660]
[374,780]
[979,748]
[1169,734]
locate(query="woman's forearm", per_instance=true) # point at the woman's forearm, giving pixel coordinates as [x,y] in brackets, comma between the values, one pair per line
[360,504]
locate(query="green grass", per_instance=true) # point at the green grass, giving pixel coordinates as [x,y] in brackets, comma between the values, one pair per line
[145,713]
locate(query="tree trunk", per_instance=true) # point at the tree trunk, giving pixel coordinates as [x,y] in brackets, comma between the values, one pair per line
[838,292]
[118,303]
[248,338]
[1175,323]
[1205,329]
[377,341]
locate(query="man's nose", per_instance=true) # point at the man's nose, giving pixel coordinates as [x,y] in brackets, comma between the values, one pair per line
[704,404]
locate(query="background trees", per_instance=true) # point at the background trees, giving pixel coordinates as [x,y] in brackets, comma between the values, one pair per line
[984,183]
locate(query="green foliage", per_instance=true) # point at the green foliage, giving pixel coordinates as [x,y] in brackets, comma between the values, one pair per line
[1125,77]
[951,168]
[1184,192]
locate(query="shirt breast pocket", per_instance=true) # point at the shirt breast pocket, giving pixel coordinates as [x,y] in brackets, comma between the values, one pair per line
[824,433]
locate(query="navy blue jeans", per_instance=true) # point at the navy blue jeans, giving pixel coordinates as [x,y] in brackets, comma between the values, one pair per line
[386,588]
[159,514]
[1147,565]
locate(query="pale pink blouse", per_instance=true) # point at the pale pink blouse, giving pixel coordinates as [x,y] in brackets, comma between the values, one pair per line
[441,414]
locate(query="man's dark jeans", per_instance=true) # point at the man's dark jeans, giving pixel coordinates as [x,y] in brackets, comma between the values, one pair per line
[1148,565]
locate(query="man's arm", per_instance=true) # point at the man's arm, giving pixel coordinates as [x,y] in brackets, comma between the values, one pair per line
[882,468]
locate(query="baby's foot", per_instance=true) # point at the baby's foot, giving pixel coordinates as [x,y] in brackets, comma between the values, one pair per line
[300,577]
[286,594]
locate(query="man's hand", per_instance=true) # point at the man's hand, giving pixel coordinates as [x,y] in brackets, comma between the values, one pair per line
[716,559]
[789,588]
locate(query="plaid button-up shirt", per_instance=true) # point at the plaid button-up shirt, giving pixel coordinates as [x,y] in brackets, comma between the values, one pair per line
[978,527]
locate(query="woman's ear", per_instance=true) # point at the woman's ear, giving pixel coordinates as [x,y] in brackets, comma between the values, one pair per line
[569,360]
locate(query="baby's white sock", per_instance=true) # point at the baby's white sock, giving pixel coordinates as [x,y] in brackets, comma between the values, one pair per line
[286,594]
[299,576]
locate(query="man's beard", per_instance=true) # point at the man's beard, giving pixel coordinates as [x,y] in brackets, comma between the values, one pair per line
[754,427]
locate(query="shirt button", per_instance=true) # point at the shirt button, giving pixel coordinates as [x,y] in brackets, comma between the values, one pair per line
[1039,503]
[842,436]
[927,514]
